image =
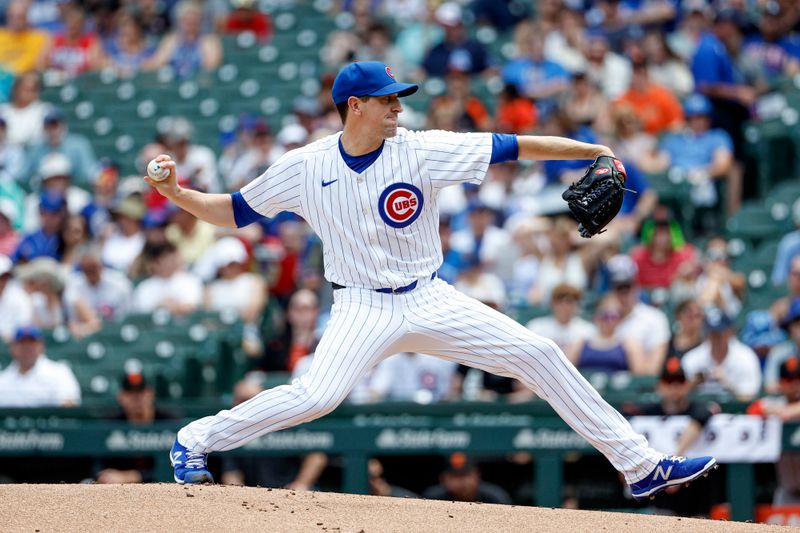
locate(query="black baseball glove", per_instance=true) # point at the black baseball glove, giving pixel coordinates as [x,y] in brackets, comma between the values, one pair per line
[596,198]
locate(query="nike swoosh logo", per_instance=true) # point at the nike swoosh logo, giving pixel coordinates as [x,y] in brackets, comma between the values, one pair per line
[326,183]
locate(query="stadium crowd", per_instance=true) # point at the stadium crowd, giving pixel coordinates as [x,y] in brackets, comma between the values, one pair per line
[667,84]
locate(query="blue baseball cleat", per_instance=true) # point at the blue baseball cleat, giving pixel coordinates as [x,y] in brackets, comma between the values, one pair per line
[190,467]
[672,470]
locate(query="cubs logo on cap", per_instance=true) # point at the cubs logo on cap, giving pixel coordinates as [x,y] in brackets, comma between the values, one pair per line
[400,204]
[368,78]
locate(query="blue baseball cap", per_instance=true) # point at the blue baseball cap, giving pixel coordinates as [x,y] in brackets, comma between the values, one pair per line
[28,332]
[697,104]
[368,78]
[717,320]
[52,202]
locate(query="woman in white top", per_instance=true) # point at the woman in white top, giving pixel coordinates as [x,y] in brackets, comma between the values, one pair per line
[24,114]
[234,287]
[561,264]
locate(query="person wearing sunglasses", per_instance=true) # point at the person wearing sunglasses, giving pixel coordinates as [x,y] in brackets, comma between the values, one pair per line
[604,351]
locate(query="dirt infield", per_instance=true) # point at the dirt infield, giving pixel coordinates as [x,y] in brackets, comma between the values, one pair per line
[172,508]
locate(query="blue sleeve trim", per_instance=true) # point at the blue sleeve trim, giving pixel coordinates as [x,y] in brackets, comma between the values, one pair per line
[243,214]
[504,148]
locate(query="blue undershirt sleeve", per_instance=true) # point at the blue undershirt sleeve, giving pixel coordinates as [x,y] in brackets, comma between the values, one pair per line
[504,148]
[243,214]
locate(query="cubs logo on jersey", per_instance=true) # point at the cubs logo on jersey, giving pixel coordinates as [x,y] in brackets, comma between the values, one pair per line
[400,204]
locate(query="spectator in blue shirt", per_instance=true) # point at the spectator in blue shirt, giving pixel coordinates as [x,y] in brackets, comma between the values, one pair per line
[58,138]
[766,52]
[456,51]
[716,76]
[537,77]
[704,155]
[46,241]
[788,249]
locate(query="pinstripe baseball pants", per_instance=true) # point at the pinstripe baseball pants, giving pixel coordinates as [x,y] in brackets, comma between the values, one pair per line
[367,326]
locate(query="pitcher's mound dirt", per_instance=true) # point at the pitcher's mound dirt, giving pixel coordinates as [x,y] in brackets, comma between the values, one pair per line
[173,508]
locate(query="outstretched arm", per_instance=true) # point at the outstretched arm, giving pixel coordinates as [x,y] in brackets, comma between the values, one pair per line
[549,148]
[215,209]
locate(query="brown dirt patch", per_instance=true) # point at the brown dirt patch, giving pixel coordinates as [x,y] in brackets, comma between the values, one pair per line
[173,508]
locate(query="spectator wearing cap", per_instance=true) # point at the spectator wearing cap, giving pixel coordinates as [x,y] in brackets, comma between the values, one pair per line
[718,285]
[788,251]
[560,263]
[663,252]
[674,391]
[137,402]
[761,333]
[74,50]
[295,473]
[483,238]
[766,49]
[238,144]
[187,49]
[230,286]
[688,329]
[129,48]
[536,77]
[412,377]
[55,175]
[190,235]
[169,285]
[195,164]
[604,350]
[9,238]
[33,380]
[292,136]
[704,154]
[656,107]
[722,364]
[456,50]
[461,481]
[16,308]
[790,324]
[126,241]
[717,76]
[44,279]
[106,291]
[20,44]
[24,113]
[640,322]
[246,17]
[58,138]
[564,326]
[262,152]
[786,406]
[46,241]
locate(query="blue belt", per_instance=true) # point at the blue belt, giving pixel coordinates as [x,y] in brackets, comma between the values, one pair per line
[388,290]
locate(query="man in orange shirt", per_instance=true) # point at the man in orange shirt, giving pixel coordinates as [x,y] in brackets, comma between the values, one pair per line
[657,108]
[20,45]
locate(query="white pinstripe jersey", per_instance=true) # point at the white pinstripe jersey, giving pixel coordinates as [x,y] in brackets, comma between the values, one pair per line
[379,228]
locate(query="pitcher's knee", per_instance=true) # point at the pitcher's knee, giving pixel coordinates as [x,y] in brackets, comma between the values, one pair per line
[318,402]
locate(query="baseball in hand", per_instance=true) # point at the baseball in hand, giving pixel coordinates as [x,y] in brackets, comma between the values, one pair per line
[156,172]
